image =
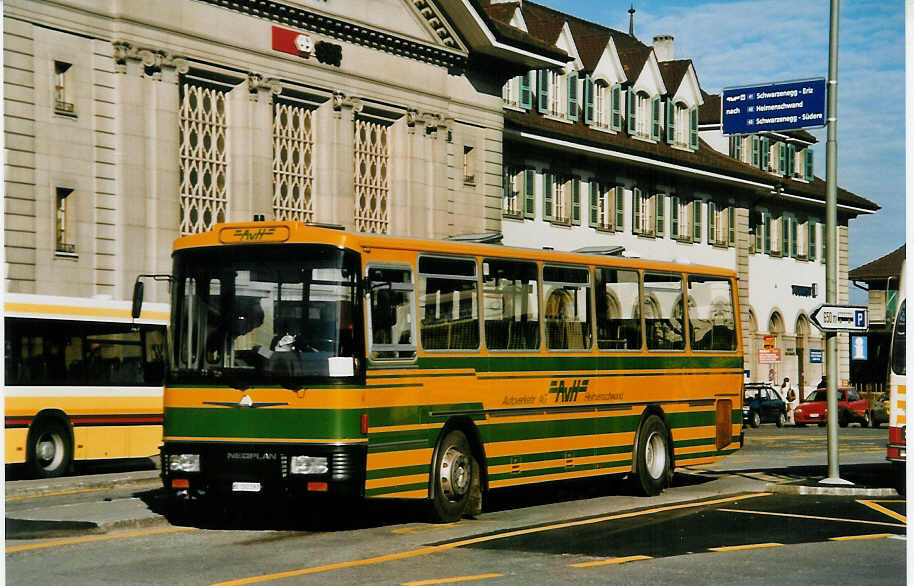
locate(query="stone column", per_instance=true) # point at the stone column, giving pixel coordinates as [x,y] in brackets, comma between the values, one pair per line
[742,271]
[260,135]
[337,191]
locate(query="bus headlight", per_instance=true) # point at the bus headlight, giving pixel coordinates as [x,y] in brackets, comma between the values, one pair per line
[184,462]
[308,465]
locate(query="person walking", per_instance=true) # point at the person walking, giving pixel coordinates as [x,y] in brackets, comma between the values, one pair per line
[790,397]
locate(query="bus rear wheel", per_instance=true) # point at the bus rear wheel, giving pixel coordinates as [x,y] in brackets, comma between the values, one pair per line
[652,460]
[49,450]
[455,477]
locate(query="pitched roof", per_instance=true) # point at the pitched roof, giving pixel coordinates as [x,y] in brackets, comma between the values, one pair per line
[673,72]
[881,268]
[591,41]
[497,17]
[633,61]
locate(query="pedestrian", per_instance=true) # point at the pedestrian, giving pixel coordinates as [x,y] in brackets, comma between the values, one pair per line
[790,396]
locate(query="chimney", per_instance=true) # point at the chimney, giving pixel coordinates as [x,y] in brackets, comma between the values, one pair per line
[663,47]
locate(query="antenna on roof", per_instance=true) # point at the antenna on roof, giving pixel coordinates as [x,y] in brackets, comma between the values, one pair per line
[483,238]
[631,21]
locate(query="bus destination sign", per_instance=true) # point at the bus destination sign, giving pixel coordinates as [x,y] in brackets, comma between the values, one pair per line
[785,105]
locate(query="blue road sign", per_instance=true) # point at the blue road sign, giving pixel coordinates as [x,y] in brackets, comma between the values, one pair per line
[859,348]
[815,356]
[777,106]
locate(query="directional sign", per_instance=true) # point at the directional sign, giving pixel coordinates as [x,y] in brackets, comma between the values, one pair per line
[777,106]
[840,318]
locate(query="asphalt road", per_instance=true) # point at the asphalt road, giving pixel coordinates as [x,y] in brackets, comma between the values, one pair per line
[729,522]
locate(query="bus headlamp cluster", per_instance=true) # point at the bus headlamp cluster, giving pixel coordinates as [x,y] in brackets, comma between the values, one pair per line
[184,462]
[308,465]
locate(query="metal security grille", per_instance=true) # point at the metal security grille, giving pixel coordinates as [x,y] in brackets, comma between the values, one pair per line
[372,177]
[203,158]
[293,167]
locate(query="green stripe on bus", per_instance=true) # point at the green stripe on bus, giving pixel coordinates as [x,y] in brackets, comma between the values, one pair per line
[395,472]
[560,470]
[238,422]
[563,365]
[395,489]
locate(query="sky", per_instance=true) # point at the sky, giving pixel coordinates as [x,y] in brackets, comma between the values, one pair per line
[734,43]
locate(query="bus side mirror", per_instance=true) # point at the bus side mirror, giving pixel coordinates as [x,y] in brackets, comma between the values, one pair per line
[137,299]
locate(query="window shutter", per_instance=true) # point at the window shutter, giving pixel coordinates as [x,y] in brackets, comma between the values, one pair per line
[782,158]
[693,127]
[712,222]
[808,165]
[674,217]
[542,88]
[661,221]
[616,106]
[791,160]
[670,122]
[731,226]
[507,186]
[620,208]
[588,100]
[526,95]
[759,231]
[636,211]
[766,225]
[594,203]
[630,116]
[655,118]
[766,152]
[575,201]
[784,226]
[738,147]
[794,245]
[811,240]
[547,195]
[529,193]
[756,160]
[696,220]
[572,96]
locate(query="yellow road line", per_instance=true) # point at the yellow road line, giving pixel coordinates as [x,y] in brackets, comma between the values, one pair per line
[884,510]
[813,517]
[742,547]
[453,545]
[855,537]
[79,491]
[611,561]
[452,580]
[91,538]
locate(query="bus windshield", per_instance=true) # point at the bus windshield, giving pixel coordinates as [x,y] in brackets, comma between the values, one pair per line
[266,315]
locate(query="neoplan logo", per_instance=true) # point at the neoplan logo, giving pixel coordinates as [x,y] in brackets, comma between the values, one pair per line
[567,394]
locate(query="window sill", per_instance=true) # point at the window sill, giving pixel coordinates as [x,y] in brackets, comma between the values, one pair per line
[515,107]
[682,147]
[606,129]
[609,229]
[510,216]
[62,254]
[558,118]
[559,222]
[643,138]
[65,113]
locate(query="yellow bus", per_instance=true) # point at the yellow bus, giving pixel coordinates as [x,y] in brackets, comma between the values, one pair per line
[896,450]
[83,380]
[306,360]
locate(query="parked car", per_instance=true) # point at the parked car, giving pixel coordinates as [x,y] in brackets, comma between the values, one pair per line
[879,411]
[763,404]
[852,408]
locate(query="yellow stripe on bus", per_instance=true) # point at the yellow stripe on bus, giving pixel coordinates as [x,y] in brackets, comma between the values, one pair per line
[559,462]
[558,476]
[396,481]
[383,460]
[265,440]
[538,446]
[70,310]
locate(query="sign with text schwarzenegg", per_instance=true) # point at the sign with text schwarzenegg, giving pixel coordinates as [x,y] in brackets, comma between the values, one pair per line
[787,105]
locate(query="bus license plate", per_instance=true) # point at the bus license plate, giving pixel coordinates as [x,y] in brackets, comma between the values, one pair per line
[245,487]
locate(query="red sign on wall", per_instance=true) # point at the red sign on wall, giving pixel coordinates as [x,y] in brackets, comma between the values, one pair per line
[292,42]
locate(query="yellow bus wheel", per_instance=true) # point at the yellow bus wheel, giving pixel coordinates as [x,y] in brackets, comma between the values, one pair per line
[652,460]
[49,450]
[454,477]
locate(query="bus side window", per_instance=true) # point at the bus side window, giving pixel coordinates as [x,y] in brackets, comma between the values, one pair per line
[391,308]
[663,314]
[510,305]
[448,304]
[711,318]
[566,292]
[617,308]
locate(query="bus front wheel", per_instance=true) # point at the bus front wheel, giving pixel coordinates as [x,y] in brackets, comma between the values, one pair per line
[652,461]
[50,451]
[455,477]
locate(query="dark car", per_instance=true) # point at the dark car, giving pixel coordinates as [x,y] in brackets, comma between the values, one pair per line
[763,404]
[879,412]
[852,408]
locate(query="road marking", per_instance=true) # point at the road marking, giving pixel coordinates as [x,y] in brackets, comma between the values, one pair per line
[812,517]
[421,529]
[452,580]
[742,547]
[885,510]
[470,541]
[91,538]
[77,491]
[622,560]
[855,537]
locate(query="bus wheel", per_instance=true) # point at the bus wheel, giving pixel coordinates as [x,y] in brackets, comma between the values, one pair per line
[652,463]
[454,477]
[50,451]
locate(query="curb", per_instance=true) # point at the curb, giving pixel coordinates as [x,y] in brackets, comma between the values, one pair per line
[803,489]
[36,488]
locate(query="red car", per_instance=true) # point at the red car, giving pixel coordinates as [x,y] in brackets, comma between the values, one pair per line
[852,408]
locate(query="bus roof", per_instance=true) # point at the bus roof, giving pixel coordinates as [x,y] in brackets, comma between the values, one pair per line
[27,305]
[287,232]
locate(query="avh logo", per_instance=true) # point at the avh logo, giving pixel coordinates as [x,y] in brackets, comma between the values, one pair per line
[567,394]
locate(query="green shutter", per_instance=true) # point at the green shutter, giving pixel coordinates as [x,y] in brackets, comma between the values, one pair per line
[526,95]
[620,208]
[575,201]
[696,220]
[766,226]
[636,210]
[791,160]
[738,147]
[659,206]
[655,118]
[785,235]
[811,240]
[547,195]
[630,110]
[529,193]
[674,217]
[712,222]
[542,89]
[588,100]
[766,152]
[794,247]
[616,99]
[731,226]
[756,150]
[572,96]
[670,122]
[594,202]
[506,184]
[809,175]
[782,158]
[693,127]
[758,218]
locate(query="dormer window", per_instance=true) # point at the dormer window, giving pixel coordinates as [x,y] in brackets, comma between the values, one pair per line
[602,104]
[640,120]
[517,93]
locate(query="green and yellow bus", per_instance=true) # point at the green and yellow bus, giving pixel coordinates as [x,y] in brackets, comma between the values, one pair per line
[311,360]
